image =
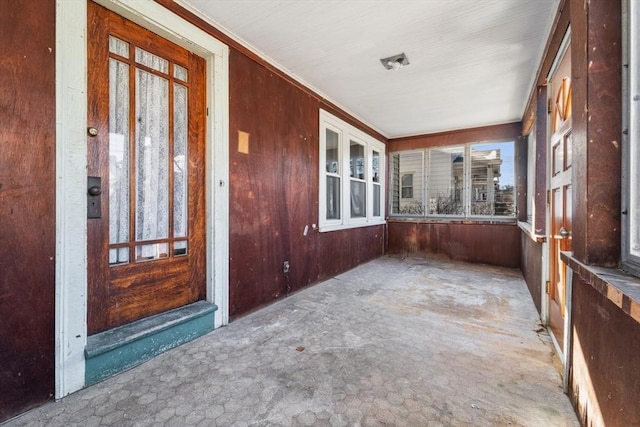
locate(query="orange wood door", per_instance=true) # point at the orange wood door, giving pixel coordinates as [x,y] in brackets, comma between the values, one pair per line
[560,208]
[146,250]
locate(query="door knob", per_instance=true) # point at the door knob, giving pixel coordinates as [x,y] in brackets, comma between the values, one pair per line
[94,203]
[95,190]
[564,232]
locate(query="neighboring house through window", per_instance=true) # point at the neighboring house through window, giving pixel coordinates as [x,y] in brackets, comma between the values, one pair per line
[464,181]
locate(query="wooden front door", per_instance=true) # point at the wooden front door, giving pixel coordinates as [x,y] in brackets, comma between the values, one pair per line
[560,203]
[146,151]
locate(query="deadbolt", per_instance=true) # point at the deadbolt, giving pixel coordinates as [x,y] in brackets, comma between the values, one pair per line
[92,131]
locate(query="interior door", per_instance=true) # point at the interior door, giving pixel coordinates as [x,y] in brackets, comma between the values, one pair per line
[146,151]
[560,203]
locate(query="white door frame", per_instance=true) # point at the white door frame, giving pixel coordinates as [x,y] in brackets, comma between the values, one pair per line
[71,170]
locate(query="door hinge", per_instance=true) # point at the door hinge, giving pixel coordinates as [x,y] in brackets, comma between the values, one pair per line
[549,106]
[207,111]
[546,287]
[548,197]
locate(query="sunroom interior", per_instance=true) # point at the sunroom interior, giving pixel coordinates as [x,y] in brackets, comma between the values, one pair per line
[330,134]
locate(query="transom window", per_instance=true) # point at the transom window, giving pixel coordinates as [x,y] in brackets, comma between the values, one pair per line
[351,167]
[462,181]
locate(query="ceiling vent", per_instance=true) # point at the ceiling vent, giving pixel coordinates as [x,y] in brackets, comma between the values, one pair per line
[395,62]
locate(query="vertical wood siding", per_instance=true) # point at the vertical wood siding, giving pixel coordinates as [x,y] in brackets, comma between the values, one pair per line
[531,266]
[596,65]
[495,244]
[27,204]
[605,375]
[274,192]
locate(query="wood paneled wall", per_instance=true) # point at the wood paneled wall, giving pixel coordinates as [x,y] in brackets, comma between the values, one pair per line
[274,157]
[531,266]
[27,204]
[505,132]
[596,68]
[605,374]
[540,186]
[495,244]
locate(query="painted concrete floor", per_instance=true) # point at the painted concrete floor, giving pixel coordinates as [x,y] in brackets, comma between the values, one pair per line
[394,342]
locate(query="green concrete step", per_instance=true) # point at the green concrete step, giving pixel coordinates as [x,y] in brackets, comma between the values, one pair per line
[110,352]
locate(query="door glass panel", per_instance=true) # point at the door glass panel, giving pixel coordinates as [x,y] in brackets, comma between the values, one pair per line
[152,131]
[151,252]
[152,61]
[180,248]
[180,73]
[180,175]
[118,47]
[118,158]
[118,256]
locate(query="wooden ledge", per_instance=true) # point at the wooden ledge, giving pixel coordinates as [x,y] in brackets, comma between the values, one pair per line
[619,287]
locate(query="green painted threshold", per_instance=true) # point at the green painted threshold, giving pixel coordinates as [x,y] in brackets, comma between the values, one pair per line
[118,349]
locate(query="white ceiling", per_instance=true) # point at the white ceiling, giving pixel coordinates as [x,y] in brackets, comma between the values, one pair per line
[472,62]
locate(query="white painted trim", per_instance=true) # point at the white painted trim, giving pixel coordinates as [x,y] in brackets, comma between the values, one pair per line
[544,301]
[568,332]
[71,200]
[218,193]
[348,133]
[71,169]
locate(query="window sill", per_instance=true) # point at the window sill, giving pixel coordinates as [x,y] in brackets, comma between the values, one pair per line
[442,220]
[336,227]
[526,227]
[619,287]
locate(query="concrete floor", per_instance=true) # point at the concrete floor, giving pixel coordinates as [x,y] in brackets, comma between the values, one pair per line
[394,342]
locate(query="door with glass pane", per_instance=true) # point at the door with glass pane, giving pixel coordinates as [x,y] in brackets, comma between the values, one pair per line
[146,115]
